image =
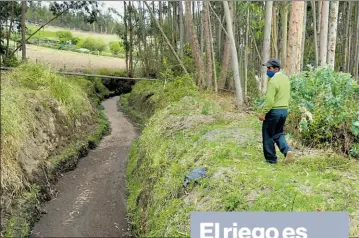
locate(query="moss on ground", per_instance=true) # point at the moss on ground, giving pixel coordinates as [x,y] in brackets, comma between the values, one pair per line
[194,131]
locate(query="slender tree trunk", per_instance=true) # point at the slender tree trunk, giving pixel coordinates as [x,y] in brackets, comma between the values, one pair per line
[347,37]
[160,16]
[208,44]
[125,36]
[213,55]
[324,33]
[23,29]
[266,42]
[246,52]
[284,18]
[315,33]
[131,39]
[174,28]
[295,38]
[226,57]
[303,35]
[200,75]
[274,32]
[181,29]
[320,6]
[333,22]
[10,28]
[219,41]
[201,30]
[350,47]
[355,72]
[237,80]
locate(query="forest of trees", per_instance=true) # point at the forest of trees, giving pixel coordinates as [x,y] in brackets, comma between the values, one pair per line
[222,43]
[225,43]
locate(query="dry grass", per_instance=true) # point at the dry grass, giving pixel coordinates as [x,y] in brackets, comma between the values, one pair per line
[72,61]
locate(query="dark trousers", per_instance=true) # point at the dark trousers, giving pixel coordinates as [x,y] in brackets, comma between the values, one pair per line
[273,132]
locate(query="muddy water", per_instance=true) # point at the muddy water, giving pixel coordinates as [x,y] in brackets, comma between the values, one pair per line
[91,200]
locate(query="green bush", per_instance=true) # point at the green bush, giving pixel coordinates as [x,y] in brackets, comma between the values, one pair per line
[92,44]
[117,47]
[64,36]
[75,40]
[324,108]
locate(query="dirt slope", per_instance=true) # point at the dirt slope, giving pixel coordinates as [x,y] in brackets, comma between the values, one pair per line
[91,200]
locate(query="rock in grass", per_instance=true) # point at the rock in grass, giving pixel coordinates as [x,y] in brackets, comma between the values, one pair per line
[195,174]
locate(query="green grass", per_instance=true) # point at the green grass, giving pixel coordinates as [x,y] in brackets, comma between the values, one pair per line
[42,33]
[193,132]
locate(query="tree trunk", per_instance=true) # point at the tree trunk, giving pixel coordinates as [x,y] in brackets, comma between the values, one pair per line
[125,35]
[10,28]
[181,29]
[237,80]
[350,47]
[208,44]
[347,38]
[274,32]
[324,33]
[266,42]
[174,28]
[333,22]
[131,40]
[219,41]
[23,29]
[284,18]
[295,38]
[213,54]
[356,44]
[315,33]
[246,52]
[303,35]
[194,46]
[201,32]
[226,57]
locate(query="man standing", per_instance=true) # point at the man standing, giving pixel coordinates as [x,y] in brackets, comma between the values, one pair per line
[274,113]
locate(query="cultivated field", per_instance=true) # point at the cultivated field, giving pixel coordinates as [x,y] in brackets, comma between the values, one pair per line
[72,61]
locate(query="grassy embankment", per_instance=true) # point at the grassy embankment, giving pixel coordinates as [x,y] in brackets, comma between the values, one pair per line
[48,122]
[184,129]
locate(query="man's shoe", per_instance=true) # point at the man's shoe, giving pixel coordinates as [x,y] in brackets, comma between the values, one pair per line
[271,161]
[288,157]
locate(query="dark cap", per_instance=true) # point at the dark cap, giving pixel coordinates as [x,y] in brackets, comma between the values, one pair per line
[272,63]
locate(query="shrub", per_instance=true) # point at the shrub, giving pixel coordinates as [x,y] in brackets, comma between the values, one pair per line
[324,108]
[75,40]
[64,36]
[117,47]
[92,44]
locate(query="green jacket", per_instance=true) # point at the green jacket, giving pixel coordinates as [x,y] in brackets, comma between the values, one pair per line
[278,93]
